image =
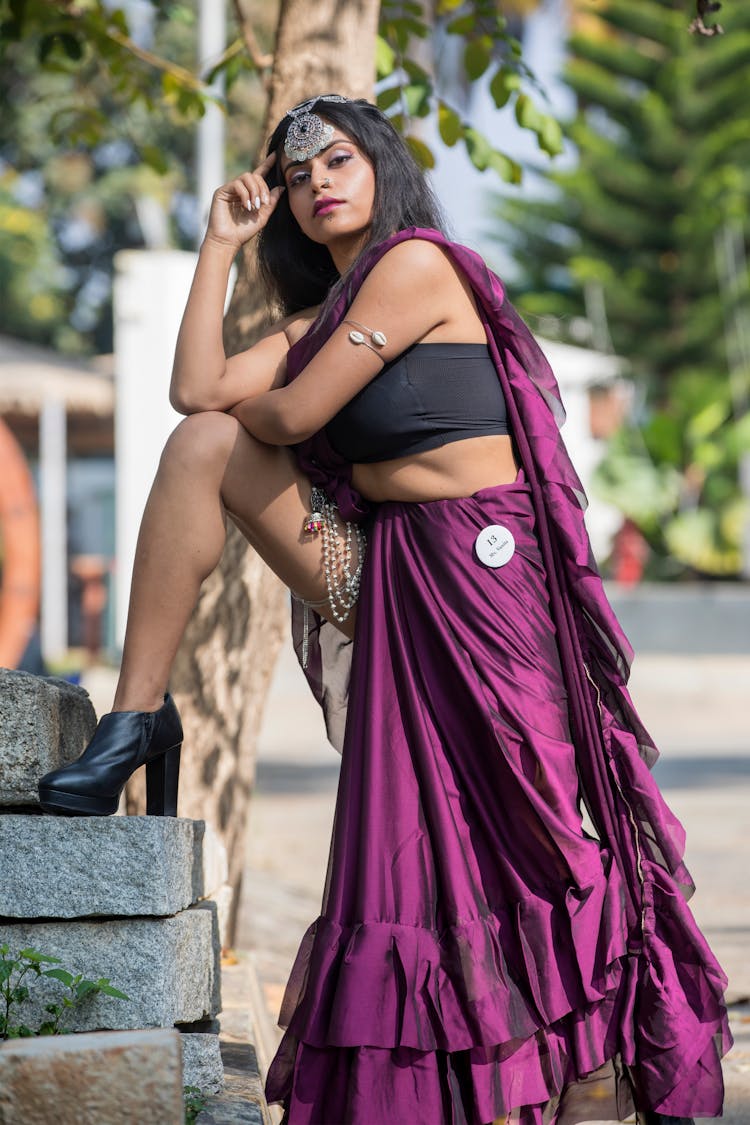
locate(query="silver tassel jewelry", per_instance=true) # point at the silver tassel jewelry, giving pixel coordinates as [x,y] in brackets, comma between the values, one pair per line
[341,577]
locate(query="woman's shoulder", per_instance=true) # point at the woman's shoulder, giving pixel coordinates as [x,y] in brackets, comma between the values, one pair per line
[414,260]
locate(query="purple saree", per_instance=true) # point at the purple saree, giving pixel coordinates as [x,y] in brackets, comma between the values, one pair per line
[478,947]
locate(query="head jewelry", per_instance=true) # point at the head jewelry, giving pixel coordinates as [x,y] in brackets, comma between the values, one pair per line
[308,133]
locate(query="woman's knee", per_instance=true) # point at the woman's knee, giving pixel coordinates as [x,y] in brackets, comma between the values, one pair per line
[201,442]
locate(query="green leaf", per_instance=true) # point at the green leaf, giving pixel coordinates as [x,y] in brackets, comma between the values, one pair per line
[156,158]
[31,954]
[170,86]
[693,537]
[508,169]
[550,136]
[417,100]
[389,97]
[110,990]
[84,987]
[385,58]
[72,46]
[446,6]
[11,30]
[421,152]
[417,27]
[416,72]
[59,974]
[504,82]
[527,115]
[449,125]
[120,21]
[478,147]
[477,57]
[706,421]
[462,25]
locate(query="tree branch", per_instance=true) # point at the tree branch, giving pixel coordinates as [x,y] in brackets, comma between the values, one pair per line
[262,60]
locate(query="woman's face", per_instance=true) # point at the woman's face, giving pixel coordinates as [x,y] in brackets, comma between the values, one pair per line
[343,208]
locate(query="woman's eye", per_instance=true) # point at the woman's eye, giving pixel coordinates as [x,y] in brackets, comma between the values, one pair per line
[297,178]
[339,158]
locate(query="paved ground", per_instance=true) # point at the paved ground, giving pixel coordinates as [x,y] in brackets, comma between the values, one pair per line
[695,707]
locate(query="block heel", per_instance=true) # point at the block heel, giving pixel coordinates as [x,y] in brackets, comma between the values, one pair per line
[162,780]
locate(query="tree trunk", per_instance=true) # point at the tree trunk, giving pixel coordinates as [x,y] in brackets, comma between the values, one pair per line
[224,665]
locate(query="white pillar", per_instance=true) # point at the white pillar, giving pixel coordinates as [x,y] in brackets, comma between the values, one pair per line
[150,291]
[53,504]
[210,138]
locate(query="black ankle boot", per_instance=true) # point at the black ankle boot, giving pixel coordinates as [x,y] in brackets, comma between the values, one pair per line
[122,741]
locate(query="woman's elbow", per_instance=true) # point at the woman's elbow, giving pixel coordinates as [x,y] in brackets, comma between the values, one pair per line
[185,403]
[291,430]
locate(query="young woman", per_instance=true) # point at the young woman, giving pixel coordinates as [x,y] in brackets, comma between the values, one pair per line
[391,448]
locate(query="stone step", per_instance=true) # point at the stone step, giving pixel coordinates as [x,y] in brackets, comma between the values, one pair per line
[44,723]
[74,867]
[202,1065]
[242,1101]
[168,967]
[117,1077]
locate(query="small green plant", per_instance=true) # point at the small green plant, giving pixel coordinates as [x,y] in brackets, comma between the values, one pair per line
[14,991]
[195,1101]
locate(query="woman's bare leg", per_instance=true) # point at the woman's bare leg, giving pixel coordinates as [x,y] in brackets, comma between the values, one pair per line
[210,467]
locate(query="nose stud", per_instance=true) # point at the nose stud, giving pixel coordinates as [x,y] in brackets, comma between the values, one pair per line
[326,183]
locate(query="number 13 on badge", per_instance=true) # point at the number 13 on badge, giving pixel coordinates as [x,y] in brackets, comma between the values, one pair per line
[495,545]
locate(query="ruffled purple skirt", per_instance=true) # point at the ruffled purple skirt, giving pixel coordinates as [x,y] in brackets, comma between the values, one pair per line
[472,954]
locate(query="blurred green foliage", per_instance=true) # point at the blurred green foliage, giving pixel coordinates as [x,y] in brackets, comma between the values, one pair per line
[99,121]
[651,225]
[410,38]
[98,131]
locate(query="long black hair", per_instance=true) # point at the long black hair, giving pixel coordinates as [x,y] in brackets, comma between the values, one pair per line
[299,272]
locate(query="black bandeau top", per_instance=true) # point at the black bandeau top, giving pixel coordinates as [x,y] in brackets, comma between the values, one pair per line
[428,396]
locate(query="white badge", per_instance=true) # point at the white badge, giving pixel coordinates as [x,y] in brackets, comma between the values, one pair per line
[495,545]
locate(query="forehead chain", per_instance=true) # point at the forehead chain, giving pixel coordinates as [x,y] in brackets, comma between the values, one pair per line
[308,133]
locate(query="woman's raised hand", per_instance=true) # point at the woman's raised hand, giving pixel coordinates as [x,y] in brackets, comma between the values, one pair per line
[242,207]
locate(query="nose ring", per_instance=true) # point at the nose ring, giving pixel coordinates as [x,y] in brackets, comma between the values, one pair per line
[326,183]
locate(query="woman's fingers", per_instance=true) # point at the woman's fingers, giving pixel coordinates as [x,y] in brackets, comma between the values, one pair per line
[249,195]
[267,164]
[257,190]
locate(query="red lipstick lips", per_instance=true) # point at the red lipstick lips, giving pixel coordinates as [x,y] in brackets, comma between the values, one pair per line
[326,204]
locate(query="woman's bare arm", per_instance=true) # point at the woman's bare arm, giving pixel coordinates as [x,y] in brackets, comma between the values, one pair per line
[411,290]
[202,377]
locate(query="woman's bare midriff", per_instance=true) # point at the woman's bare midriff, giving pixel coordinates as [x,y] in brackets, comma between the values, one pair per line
[453,470]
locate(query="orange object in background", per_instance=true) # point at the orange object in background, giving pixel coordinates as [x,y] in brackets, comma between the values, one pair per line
[21,552]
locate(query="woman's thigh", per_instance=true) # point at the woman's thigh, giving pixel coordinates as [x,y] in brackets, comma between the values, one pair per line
[268,498]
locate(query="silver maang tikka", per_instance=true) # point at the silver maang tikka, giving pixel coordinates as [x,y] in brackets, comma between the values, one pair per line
[308,133]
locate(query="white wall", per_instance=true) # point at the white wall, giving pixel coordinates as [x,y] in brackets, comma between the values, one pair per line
[150,291]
